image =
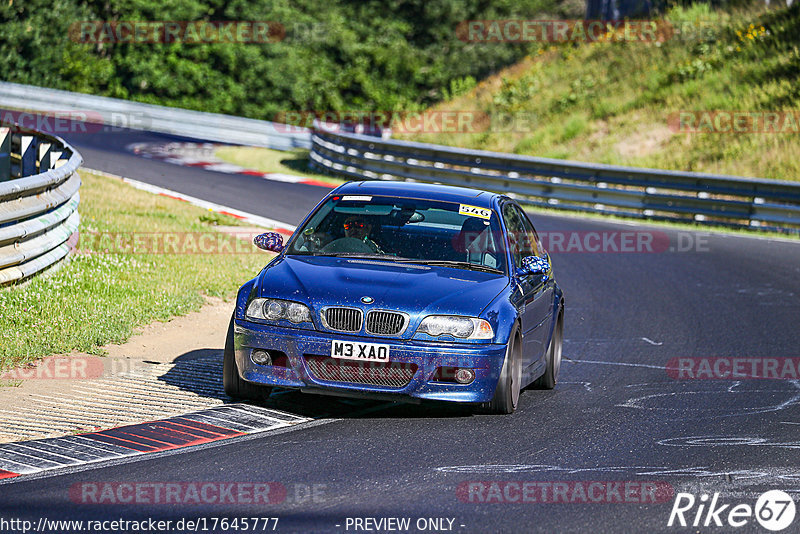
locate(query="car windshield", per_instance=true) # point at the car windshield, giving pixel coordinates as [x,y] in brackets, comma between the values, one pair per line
[404,230]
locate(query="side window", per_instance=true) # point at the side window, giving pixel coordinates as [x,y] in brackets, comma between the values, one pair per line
[535,246]
[516,233]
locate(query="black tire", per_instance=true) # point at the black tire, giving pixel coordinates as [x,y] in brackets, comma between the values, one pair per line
[506,394]
[232,383]
[550,377]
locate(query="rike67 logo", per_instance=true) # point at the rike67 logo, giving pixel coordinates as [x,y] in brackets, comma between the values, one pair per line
[774,510]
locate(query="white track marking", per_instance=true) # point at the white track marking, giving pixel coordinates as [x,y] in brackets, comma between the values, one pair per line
[640,403]
[248,217]
[734,386]
[203,156]
[725,441]
[747,483]
[622,364]
[586,385]
[53,454]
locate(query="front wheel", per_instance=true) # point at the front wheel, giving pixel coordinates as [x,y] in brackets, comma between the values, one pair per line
[506,395]
[231,381]
[550,377]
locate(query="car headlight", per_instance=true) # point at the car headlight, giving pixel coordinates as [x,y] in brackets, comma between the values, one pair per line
[278,310]
[456,326]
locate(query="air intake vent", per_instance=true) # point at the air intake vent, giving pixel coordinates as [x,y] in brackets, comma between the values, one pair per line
[343,319]
[386,323]
[391,375]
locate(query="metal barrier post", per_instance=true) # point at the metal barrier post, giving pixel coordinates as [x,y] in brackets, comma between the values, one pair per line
[27,154]
[45,152]
[5,154]
[38,204]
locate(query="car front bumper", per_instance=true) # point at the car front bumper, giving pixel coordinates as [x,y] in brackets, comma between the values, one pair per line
[302,346]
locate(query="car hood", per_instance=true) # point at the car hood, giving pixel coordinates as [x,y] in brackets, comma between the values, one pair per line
[415,289]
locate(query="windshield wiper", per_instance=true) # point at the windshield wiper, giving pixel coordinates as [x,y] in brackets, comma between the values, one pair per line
[399,259]
[456,265]
[361,255]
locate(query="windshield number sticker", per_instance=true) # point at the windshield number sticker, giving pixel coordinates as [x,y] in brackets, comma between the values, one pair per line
[474,211]
[359,198]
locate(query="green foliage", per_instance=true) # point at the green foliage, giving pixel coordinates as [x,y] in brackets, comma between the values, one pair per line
[579,90]
[573,127]
[515,94]
[336,55]
[459,86]
[615,102]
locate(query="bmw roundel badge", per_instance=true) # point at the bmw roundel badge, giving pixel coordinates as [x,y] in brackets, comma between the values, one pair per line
[367,300]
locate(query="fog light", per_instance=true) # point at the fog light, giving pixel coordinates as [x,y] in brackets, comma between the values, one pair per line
[261,357]
[465,376]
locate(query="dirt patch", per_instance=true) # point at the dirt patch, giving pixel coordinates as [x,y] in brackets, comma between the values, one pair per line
[163,342]
[644,141]
[165,369]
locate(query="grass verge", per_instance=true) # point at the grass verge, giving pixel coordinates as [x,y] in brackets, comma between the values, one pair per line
[266,160]
[108,289]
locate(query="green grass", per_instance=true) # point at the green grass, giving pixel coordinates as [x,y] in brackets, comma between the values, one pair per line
[267,160]
[610,102]
[100,297]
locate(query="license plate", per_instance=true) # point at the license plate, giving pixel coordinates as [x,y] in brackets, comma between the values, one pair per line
[367,352]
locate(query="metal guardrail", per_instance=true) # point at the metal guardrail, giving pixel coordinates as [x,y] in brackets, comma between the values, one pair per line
[138,116]
[625,191]
[38,201]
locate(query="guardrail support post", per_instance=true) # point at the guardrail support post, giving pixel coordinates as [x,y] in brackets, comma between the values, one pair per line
[45,157]
[5,154]
[38,213]
[27,153]
[55,158]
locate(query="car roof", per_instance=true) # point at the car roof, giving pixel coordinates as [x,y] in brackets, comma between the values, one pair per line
[447,193]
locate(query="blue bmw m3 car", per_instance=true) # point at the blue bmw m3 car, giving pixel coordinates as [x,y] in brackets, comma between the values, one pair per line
[401,291]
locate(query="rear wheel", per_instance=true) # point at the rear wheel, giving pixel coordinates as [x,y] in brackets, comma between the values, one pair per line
[506,395]
[550,377]
[231,381]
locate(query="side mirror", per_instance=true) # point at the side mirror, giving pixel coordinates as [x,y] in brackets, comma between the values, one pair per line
[535,265]
[271,241]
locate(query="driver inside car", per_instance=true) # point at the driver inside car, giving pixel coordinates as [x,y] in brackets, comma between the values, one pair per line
[356,227]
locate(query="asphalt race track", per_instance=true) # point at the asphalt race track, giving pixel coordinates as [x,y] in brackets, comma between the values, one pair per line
[616,416]
[106,151]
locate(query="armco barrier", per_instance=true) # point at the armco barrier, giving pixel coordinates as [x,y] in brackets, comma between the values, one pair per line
[626,191]
[126,114]
[38,201]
